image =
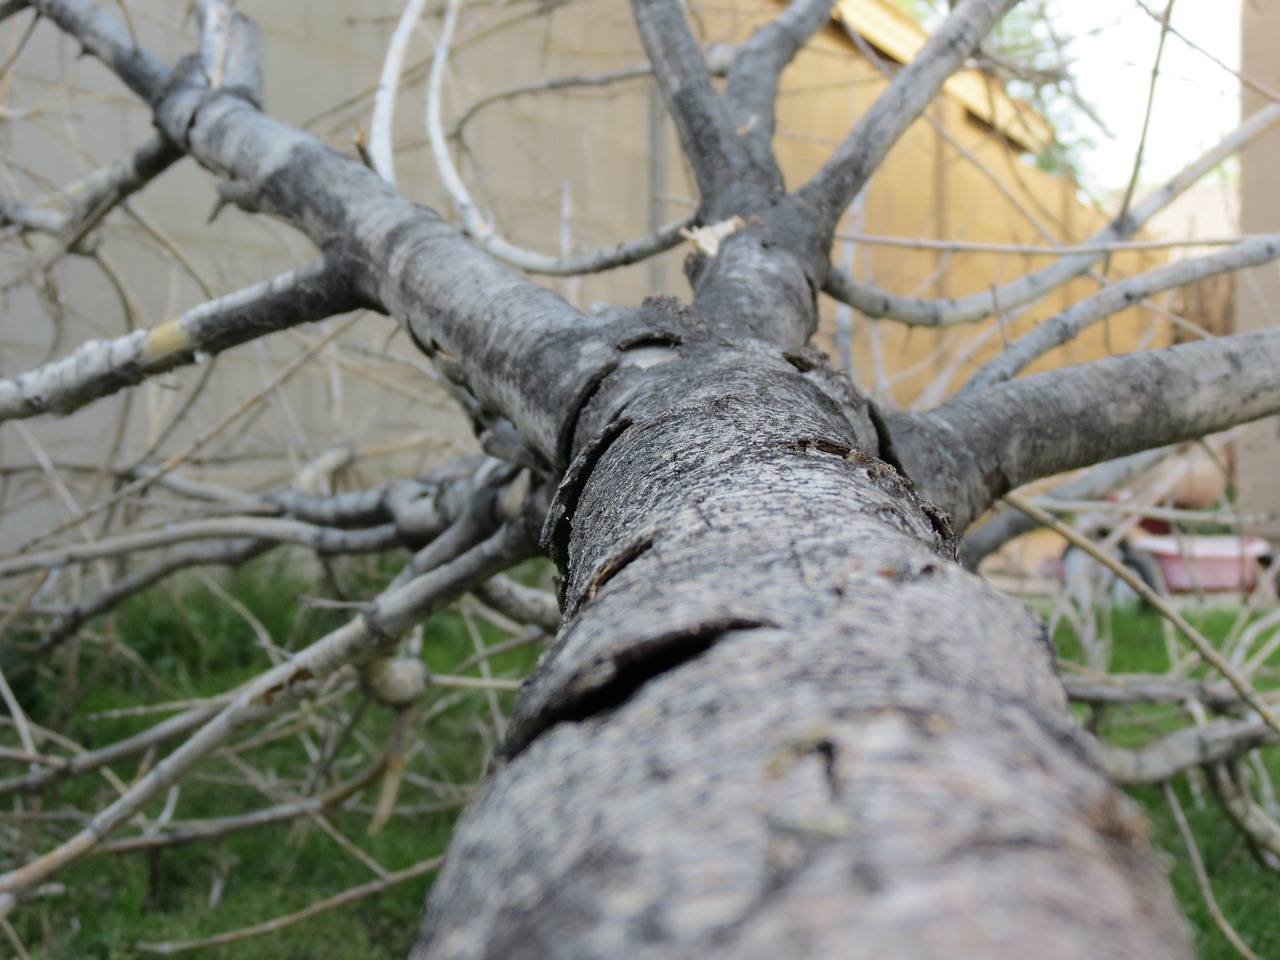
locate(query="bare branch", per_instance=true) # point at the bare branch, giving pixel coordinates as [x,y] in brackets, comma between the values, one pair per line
[381,151]
[1030,287]
[93,760]
[1146,118]
[100,368]
[833,188]
[1186,749]
[271,926]
[752,91]
[230,49]
[418,511]
[1040,249]
[95,197]
[593,261]
[701,118]
[974,449]
[478,227]
[324,540]
[1202,875]
[171,463]
[1131,689]
[1067,325]
[485,327]
[178,833]
[199,554]
[1248,81]
[1203,646]
[111,43]
[1102,479]
[545,86]
[520,603]
[1252,820]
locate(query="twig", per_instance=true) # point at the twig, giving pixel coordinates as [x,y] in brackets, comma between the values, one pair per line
[384,101]
[382,621]
[1242,686]
[1101,479]
[520,603]
[14,940]
[271,926]
[324,540]
[1146,117]
[544,86]
[1202,876]
[475,683]
[203,439]
[1031,287]
[1039,250]
[1210,743]
[1068,324]
[475,224]
[100,368]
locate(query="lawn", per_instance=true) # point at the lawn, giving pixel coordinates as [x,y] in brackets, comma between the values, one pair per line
[1246,892]
[190,644]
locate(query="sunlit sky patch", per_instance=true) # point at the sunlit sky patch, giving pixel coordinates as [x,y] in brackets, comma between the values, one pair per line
[1196,101]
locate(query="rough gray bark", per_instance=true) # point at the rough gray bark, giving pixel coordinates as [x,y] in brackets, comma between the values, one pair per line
[779,718]
[971,451]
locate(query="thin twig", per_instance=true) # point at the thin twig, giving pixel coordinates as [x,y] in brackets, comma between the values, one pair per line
[1202,645]
[272,926]
[1202,876]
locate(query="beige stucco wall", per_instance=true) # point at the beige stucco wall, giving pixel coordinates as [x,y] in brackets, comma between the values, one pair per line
[1257,291]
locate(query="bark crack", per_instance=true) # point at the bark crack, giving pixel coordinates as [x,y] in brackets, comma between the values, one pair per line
[631,669]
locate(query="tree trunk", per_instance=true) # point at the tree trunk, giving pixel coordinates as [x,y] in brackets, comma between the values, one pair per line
[780,720]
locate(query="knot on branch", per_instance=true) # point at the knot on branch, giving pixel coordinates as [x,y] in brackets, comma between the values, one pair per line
[191,89]
[395,681]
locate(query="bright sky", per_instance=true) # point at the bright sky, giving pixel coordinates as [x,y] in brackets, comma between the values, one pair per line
[1196,101]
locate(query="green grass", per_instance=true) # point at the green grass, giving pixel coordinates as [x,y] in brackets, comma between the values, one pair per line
[1247,893]
[194,645]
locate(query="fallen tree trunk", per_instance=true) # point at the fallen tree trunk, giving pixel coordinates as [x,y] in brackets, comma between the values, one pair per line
[780,720]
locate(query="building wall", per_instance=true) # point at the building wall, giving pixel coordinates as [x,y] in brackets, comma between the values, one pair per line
[1257,291]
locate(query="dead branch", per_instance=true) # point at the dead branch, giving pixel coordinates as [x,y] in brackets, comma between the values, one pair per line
[1031,287]
[1199,746]
[706,130]
[271,926]
[1067,325]
[100,368]
[833,188]
[93,198]
[974,449]
[379,626]
[1098,481]
[752,91]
